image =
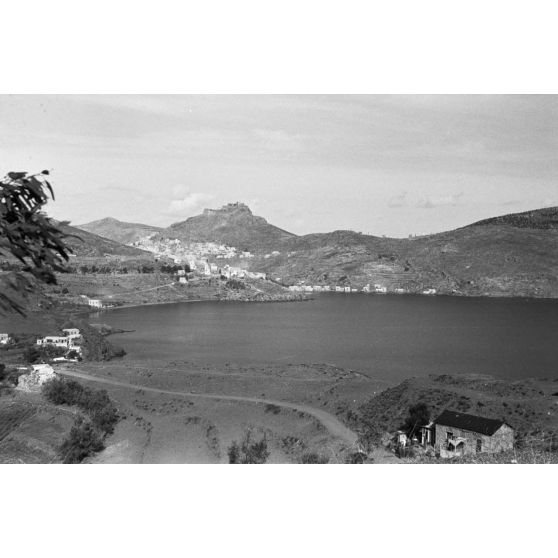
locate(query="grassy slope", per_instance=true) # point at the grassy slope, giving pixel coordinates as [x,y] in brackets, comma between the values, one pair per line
[119,231]
[86,244]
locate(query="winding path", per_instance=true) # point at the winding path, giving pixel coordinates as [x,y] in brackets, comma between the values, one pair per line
[331,423]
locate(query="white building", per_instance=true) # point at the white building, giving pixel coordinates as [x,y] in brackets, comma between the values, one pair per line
[347,289]
[56,340]
[71,331]
[429,291]
[4,339]
[182,280]
[380,289]
[95,303]
[339,289]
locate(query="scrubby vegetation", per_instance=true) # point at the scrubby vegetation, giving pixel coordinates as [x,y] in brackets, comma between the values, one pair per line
[87,435]
[249,451]
[42,353]
[235,285]
[84,440]
[313,458]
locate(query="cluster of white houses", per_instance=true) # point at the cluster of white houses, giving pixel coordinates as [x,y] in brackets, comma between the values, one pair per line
[376,288]
[71,340]
[227,271]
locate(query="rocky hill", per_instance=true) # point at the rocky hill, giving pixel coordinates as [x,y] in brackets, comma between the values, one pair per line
[234,225]
[119,231]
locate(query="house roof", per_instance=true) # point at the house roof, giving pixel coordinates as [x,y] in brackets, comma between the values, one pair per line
[472,423]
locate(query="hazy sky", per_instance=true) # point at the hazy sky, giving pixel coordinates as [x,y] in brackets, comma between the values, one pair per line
[390,165]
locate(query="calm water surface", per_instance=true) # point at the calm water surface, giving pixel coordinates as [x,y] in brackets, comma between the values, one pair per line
[392,337]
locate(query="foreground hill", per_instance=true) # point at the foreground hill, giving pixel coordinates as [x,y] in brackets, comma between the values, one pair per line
[86,244]
[119,231]
[234,225]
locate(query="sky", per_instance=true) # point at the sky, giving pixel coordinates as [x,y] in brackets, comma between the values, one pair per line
[389,165]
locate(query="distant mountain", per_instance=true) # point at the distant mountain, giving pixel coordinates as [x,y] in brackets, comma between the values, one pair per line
[234,225]
[86,244]
[120,231]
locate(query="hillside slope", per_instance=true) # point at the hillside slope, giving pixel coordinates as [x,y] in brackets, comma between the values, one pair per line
[86,244]
[119,231]
[234,225]
[511,255]
[493,257]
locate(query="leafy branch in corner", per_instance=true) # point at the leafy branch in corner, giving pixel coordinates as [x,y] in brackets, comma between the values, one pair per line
[30,236]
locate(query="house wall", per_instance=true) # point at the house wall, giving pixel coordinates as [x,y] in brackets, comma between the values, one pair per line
[501,440]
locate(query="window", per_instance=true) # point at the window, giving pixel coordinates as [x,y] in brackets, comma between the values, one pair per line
[449,435]
[479,445]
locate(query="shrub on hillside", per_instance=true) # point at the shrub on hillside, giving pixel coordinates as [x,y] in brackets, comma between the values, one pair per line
[235,285]
[312,458]
[249,451]
[96,403]
[43,353]
[84,440]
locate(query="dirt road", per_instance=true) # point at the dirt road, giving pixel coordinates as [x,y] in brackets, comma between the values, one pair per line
[330,422]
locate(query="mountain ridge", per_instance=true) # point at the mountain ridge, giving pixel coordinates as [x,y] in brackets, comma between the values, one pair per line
[509,255]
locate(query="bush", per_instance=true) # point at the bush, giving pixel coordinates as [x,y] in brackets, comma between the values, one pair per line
[235,284]
[95,402]
[83,441]
[249,451]
[36,353]
[271,408]
[419,415]
[313,458]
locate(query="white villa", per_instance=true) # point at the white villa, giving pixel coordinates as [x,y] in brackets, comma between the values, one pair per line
[4,338]
[56,340]
[95,303]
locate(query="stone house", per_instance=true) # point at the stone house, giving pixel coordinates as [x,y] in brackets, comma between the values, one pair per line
[455,434]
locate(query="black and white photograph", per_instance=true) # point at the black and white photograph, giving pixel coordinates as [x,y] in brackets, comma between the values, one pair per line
[279,279]
[300,238]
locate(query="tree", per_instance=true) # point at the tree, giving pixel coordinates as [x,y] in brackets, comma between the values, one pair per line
[419,415]
[28,235]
